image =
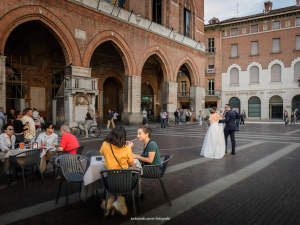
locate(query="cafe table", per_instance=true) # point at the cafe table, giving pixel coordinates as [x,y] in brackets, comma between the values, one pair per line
[46,154]
[92,176]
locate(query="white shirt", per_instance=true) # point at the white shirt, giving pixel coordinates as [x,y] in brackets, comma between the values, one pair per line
[31,127]
[35,114]
[115,116]
[188,113]
[5,143]
[41,120]
[163,115]
[145,113]
[48,139]
[2,118]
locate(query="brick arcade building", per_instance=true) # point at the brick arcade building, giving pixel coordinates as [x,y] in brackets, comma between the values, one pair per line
[255,61]
[61,56]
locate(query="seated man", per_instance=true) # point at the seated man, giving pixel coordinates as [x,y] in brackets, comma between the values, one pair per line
[7,140]
[48,137]
[68,141]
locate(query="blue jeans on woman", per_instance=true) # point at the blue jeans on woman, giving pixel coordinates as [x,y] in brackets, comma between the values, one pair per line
[163,123]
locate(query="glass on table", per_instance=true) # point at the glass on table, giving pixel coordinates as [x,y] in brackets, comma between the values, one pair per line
[21,145]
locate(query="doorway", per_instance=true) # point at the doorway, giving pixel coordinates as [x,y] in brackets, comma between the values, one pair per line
[277,112]
[276,107]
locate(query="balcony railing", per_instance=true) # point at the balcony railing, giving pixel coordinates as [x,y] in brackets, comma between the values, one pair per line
[213,93]
[210,71]
[210,50]
[183,94]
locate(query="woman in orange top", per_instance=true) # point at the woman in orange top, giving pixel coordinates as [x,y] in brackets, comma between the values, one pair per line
[117,153]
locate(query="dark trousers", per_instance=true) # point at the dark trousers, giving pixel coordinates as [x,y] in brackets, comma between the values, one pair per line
[242,122]
[237,123]
[231,133]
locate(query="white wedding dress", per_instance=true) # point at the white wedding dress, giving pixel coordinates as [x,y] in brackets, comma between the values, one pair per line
[214,142]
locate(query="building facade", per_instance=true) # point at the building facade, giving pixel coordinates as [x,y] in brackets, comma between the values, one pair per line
[63,56]
[260,61]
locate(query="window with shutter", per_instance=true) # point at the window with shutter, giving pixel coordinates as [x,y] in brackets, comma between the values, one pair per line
[276,25]
[276,45]
[298,22]
[234,32]
[254,107]
[211,63]
[297,71]
[254,28]
[297,42]
[276,73]
[254,48]
[254,74]
[234,76]
[234,51]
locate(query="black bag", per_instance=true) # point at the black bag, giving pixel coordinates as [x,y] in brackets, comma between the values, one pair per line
[19,138]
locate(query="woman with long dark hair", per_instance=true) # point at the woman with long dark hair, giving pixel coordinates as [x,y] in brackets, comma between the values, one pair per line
[117,155]
[19,126]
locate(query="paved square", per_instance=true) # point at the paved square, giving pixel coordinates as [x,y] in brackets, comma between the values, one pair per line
[258,185]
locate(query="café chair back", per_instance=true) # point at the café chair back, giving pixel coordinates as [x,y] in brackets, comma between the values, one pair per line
[92,153]
[32,159]
[69,171]
[119,182]
[156,172]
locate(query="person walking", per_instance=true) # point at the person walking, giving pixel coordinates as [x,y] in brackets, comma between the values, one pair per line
[187,114]
[200,117]
[110,119]
[285,117]
[145,113]
[296,115]
[192,116]
[243,118]
[88,120]
[179,116]
[176,116]
[2,118]
[163,116]
[237,119]
[293,118]
[115,117]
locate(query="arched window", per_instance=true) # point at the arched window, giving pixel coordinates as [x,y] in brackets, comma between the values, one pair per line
[254,74]
[276,73]
[235,103]
[254,107]
[297,71]
[296,103]
[234,76]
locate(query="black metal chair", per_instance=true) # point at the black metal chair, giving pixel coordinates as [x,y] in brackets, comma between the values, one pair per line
[92,153]
[32,159]
[119,182]
[156,172]
[68,169]
[52,159]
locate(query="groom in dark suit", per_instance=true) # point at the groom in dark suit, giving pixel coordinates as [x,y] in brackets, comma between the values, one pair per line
[230,126]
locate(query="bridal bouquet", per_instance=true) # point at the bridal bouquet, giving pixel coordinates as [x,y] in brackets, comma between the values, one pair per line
[205,118]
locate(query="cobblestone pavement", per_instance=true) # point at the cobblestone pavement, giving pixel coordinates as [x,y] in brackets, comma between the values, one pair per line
[258,185]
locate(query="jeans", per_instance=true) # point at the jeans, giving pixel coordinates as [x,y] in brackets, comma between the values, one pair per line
[292,121]
[163,123]
[285,121]
[200,120]
[178,119]
[237,123]
[144,120]
[87,124]
[115,122]
[242,122]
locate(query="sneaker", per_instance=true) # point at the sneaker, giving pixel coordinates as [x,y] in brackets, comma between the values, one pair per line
[120,205]
[86,137]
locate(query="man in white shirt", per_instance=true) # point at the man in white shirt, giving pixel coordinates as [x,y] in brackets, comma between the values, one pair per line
[115,117]
[31,125]
[145,117]
[50,138]
[35,114]
[7,140]
[163,116]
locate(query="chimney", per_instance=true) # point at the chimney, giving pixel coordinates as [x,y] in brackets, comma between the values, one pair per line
[297,2]
[268,6]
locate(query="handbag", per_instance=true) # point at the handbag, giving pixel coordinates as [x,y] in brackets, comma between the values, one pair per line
[133,180]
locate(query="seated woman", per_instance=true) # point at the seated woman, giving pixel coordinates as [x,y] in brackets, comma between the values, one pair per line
[7,140]
[117,155]
[150,155]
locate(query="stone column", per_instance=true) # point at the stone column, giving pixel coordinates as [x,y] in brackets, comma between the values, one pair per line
[154,104]
[2,83]
[121,104]
[197,96]
[169,97]
[159,101]
[132,100]
[101,105]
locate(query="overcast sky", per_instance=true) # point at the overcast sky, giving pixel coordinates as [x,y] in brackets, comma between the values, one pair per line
[225,9]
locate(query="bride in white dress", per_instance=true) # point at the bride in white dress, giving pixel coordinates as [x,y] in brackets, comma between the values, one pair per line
[214,142]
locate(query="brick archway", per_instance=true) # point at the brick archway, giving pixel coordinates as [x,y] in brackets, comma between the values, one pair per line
[162,59]
[191,66]
[63,35]
[120,45]
[116,78]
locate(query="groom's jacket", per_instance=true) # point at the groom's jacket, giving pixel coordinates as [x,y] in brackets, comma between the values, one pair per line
[229,121]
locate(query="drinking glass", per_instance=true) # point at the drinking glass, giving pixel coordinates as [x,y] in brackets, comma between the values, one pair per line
[21,145]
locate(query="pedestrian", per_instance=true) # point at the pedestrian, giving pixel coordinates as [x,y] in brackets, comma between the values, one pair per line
[176,116]
[115,117]
[296,115]
[35,114]
[243,118]
[30,125]
[88,120]
[42,122]
[163,116]
[285,117]
[94,122]
[110,119]
[192,116]
[237,119]
[187,115]
[144,117]
[2,118]
[200,117]
[152,114]
[179,116]
[293,118]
